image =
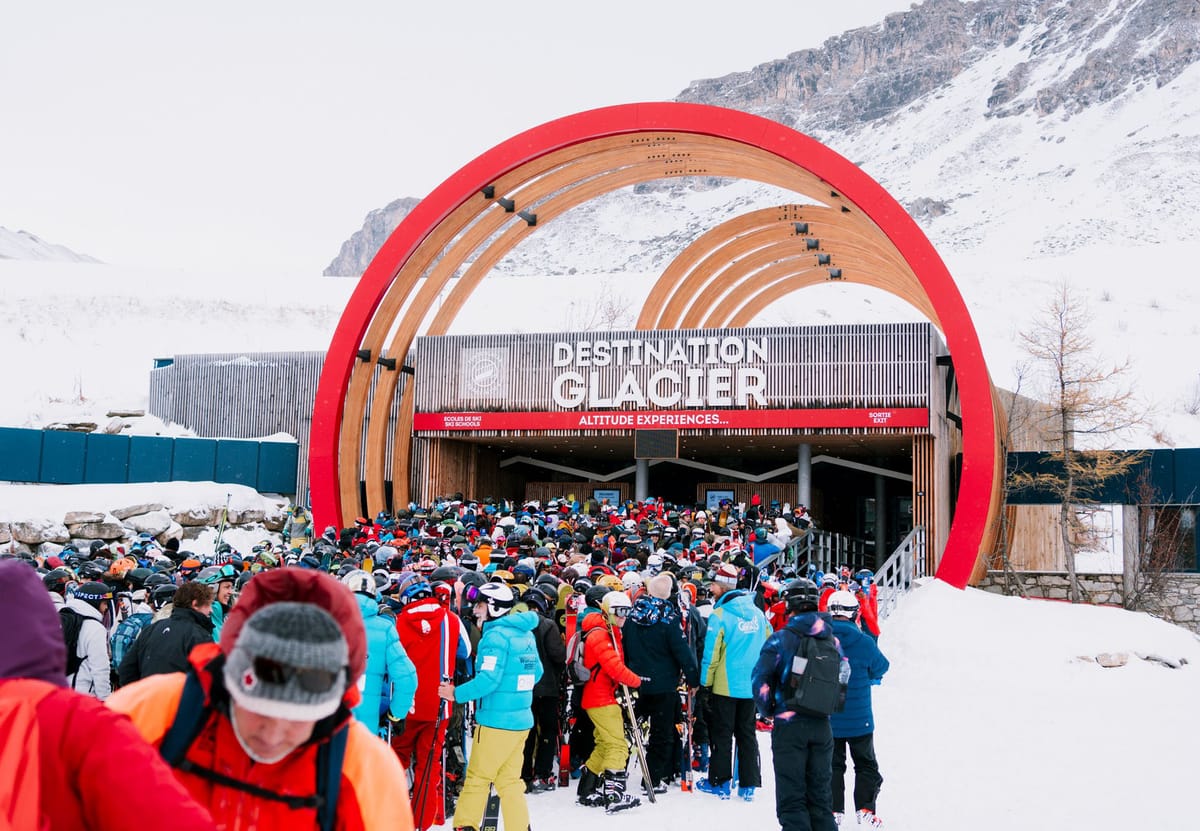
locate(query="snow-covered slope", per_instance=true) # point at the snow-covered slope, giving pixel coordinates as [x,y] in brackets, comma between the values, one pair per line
[22,245]
[988,720]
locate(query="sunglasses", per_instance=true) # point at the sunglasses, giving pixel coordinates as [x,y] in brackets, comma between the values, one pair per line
[310,679]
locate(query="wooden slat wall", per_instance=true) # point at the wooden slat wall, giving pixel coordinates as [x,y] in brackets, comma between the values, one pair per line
[784,492]
[241,395]
[1035,538]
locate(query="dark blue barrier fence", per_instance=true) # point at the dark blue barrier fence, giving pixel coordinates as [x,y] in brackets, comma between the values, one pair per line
[66,458]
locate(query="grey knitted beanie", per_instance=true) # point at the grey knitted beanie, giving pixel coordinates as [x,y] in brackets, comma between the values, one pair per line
[290,662]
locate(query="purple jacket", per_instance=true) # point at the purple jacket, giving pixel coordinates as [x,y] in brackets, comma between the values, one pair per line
[39,652]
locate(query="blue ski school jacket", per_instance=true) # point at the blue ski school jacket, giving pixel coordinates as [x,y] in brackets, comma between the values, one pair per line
[387,662]
[736,632]
[507,668]
[775,660]
[867,666]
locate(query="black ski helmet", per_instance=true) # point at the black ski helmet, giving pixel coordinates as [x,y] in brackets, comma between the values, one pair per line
[801,595]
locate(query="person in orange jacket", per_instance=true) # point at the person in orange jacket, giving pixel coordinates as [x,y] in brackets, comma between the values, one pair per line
[58,743]
[603,778]
[260,731]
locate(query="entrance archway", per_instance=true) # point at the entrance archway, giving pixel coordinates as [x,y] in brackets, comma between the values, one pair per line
[489,206]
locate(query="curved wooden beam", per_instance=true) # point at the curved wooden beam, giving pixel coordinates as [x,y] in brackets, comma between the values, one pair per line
[733,141]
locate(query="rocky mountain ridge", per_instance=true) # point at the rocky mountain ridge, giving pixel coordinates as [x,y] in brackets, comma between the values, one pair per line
[1060,118]
[22,245]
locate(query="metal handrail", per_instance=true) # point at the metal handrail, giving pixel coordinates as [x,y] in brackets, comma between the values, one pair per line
[900,571]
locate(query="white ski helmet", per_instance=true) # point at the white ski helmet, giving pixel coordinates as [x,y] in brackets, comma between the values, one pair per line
[361,582]
[498,597]
[843,604]
[654,564]
[613,604]
[631,580]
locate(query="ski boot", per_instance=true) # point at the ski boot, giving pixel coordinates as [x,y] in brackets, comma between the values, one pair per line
[615,798]
[867,817]
[722,790]
[746,794]
[700,758]
[590,791]
[543,784]
[659,787]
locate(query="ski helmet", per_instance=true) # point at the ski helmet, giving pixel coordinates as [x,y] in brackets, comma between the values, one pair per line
[631,580]
[498,597]
[801,595]
[843,604]
[616,604]
[94,593]
[360,582]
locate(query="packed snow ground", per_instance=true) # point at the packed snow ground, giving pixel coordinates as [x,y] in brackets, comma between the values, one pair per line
[989,721]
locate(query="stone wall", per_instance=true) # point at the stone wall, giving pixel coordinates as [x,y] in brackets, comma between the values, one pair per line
[46,537]
[1179,601]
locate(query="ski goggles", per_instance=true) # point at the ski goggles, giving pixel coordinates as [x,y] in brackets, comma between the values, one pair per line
[309,679]
[622,611]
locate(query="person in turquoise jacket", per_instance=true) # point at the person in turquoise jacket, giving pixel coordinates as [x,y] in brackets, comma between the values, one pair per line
[736,632]
[506,669]
[386,659]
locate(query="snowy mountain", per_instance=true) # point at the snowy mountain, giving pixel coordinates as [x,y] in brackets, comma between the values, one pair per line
[22,245]
[1035,143]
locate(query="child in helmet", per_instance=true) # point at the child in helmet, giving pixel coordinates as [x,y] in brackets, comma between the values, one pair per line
[603,779]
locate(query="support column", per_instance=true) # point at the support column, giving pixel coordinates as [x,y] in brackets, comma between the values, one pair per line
[804,475]
[881,552]
[641,480]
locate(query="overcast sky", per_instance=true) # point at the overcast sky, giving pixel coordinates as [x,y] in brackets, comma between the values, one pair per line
[234,134]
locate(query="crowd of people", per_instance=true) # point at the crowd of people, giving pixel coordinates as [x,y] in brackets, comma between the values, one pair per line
[559,637]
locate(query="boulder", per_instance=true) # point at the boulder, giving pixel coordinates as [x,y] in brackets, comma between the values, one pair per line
[36,533]
[135,510]
[195,517]
[275,517]
[49,549]
[153,523]
[5,532]
[16,547]
[174,532]
[81,517]
[114,427]
[251,516]
[232,517]
[125,414]
[98,531]
[1112,659]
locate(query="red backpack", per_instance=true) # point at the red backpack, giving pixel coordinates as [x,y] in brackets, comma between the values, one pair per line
[20,754]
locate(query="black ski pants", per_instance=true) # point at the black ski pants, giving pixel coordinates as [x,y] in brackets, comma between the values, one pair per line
[663,740]
[733,720]
[583,739]
[542,744]
[867,780]
[802,753]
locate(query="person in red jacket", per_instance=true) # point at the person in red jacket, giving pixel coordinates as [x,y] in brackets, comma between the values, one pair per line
[603,781]
[433,637]
[58,743]
[260,729]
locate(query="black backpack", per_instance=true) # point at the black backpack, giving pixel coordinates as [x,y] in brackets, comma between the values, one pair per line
[72,625]
[815,678]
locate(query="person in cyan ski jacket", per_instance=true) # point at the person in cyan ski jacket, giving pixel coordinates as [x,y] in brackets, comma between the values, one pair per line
[736,631]
[386,658]
[78,739]
[273,701]
[506,670]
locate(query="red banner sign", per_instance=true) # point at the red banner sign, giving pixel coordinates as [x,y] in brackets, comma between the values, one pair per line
[912,417]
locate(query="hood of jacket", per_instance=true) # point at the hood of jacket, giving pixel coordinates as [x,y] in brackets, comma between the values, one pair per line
[737,603]
[27,608]
[369,606]
[648,611]
[84,608]
[811,624]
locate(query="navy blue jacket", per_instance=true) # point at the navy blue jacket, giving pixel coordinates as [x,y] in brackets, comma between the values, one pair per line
[655,647]
[867,666]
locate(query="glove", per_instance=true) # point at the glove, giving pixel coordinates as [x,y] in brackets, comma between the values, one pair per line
[397,724]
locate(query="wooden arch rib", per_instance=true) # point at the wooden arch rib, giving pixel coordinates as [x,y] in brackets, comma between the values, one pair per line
[686,139]
[549,196]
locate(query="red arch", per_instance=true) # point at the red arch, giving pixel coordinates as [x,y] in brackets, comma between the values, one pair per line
[980,449]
